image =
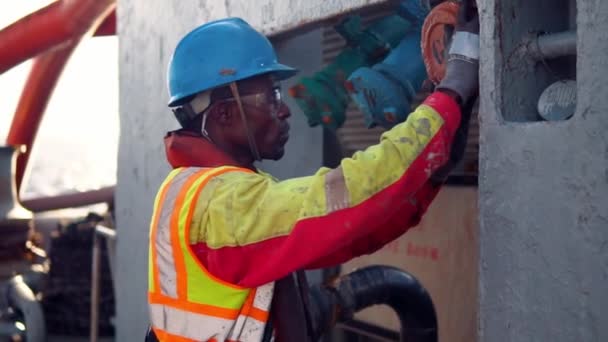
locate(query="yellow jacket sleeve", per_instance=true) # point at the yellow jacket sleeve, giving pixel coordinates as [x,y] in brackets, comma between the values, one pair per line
[249,229]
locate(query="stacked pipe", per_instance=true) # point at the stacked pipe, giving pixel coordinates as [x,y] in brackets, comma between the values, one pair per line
[67,292]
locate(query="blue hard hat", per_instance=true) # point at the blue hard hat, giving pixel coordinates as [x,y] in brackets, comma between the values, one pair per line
[218,53]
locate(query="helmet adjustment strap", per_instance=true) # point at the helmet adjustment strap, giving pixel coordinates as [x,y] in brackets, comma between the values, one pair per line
[252,144]
[204,127]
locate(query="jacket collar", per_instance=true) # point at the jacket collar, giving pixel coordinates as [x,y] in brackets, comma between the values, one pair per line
[184,148]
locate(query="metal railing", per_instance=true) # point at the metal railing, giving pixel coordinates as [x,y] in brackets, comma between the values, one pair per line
[109,235]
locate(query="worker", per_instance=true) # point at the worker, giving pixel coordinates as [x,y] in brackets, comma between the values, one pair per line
[223,232]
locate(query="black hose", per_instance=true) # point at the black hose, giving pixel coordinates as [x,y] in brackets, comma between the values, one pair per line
[376,285]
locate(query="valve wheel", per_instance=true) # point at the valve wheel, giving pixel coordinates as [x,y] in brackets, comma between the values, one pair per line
[436,37]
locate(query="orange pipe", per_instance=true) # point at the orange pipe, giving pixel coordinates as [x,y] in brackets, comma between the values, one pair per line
[75,200]
[37,91]
[108,26]
[59,23]
[47,68]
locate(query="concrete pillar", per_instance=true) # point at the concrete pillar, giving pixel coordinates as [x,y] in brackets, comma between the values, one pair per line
[543,185]
[148,33]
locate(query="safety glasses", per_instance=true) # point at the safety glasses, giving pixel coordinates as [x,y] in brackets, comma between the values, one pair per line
[270,100]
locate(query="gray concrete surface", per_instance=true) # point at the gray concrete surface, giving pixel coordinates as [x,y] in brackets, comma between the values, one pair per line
[543,185]
[148,33]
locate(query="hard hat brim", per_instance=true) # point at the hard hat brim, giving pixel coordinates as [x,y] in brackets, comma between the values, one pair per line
[279,71]
[282,72]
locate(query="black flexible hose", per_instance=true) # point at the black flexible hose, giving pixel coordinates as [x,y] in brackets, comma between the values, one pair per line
[376,285]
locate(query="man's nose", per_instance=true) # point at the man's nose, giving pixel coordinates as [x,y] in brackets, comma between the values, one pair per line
[283,112]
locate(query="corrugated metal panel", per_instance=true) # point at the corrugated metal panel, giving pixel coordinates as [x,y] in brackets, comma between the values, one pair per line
[354,136]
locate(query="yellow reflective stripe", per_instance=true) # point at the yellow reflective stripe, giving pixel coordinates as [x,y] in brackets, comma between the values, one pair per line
[369,172]
[179,247]
[200,308]
[153,230]
[202,287]
[164,253]
[187,324]
[211,307]
[151,286]
[200,218]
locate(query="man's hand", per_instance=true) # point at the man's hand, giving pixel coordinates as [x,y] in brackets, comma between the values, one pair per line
[462,71]
[461,81]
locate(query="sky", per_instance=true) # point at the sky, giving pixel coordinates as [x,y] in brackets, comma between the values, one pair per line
[77,141]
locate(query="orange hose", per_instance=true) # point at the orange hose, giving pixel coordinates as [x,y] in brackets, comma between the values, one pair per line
[108,26]
[56,24]
[72,200]
[61,26]
[37,91]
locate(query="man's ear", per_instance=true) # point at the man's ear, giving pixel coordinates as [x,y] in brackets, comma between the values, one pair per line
[222,114]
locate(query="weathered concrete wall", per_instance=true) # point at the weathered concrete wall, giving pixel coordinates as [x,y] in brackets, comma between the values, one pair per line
[148,33]
[273,16]
[543,188]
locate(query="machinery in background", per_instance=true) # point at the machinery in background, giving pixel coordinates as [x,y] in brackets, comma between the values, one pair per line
[324,96]
[383,66]
[384,92]
[46,276]
[22,263]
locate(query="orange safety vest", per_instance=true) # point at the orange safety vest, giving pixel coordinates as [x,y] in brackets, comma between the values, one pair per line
[186,302]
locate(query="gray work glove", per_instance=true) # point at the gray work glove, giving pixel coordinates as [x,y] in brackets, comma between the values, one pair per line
[462,71]
[462,77]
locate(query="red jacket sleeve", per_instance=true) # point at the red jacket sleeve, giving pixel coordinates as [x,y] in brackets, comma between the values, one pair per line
[250,230]
[409,216]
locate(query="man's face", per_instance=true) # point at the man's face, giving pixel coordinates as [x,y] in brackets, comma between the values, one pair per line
[266,116]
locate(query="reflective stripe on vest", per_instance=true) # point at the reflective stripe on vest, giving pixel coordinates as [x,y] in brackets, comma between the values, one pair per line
[186,302]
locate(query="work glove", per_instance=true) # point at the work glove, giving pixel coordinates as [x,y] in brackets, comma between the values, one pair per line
[462,70]
[462,78]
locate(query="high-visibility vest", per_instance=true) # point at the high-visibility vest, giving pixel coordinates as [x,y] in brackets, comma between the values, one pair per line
[186,302]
